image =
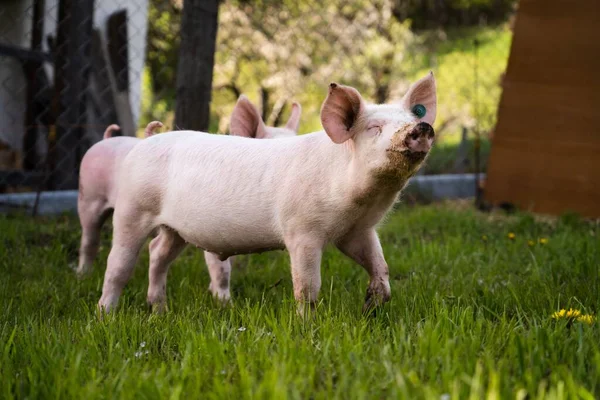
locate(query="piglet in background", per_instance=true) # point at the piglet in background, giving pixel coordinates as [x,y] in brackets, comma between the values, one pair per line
[233,195]
[98,188]
[246,122]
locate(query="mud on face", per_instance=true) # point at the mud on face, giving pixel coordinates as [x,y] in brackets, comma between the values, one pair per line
[408,149]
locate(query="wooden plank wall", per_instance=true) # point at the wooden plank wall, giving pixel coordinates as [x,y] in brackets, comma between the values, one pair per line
[545,153]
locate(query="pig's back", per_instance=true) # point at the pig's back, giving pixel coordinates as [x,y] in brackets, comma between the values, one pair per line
[216,191]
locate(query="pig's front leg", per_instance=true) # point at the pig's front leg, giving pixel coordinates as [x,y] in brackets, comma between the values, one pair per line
[164,248]
[305,255]
[364,248]
[220,273]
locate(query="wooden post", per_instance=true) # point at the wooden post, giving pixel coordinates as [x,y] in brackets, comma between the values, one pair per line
[264,103]
[101,93]
[118,50]
[196,60]
[33,111]
[72,66]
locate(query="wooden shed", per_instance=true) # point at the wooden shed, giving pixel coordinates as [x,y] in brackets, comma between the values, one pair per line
[545,153]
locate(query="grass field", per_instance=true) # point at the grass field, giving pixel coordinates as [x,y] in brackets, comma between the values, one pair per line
[470,317]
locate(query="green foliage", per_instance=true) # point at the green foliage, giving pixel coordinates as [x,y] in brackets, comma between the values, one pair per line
[164,19]
[470,316]
[469,78]
[162,52]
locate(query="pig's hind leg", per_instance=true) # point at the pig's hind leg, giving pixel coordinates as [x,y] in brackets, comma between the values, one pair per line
[92,215]
[131,228]
[305,254]
[220,273]
[164,248]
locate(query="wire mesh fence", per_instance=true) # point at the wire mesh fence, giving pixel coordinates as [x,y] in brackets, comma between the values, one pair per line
[68,69]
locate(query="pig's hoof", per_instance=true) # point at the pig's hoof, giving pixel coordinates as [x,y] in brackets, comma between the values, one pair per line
[103,311]
[108,302]
[223,299]
[222,296]
[375,297]
[82,274]
[369,309]
[82,271]
[158,307]
[157,304]
[306,310]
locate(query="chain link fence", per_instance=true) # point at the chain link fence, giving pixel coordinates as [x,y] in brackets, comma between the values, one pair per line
[68,69]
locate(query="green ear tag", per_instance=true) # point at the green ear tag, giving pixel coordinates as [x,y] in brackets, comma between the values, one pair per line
[419,110]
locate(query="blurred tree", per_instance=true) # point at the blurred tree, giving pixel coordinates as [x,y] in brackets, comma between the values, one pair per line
[280,49]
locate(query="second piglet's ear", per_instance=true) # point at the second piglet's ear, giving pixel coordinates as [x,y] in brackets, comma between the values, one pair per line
[294,121]
[246,120]
[341,111]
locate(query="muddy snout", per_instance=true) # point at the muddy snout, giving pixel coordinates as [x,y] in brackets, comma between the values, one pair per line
[419,140]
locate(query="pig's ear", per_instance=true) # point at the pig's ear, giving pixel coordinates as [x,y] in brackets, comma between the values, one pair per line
[421,99]
[340,111]
[246,121]
[294,121]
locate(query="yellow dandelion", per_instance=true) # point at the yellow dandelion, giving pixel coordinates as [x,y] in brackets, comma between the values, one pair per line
[531,243]
[570,314]
[484,238]
[573,314]
[543,240]
[586,318]
[511,236]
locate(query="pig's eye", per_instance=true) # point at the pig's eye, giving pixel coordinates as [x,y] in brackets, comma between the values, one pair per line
[419,110]
[374,130]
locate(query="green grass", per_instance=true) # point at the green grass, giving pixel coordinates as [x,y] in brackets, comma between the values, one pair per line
[468,317]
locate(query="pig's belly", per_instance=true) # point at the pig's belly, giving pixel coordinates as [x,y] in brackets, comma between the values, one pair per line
[223,232]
